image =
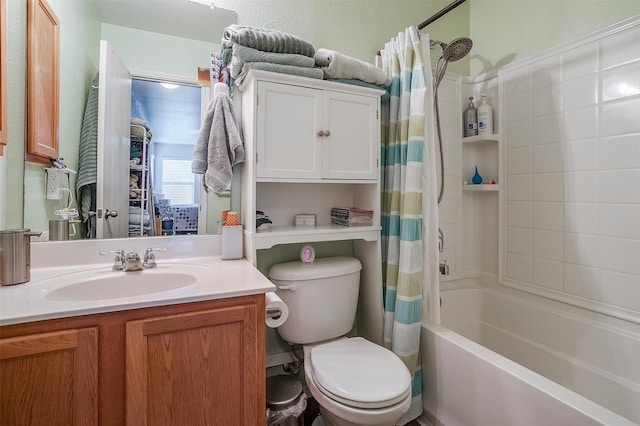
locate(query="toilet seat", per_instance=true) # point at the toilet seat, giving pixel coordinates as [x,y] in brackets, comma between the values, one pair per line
[359,373]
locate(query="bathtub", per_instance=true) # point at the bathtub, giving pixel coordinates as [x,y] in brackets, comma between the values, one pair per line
[505,357]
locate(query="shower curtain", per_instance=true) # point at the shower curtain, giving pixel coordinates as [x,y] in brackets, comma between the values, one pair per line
[409,205]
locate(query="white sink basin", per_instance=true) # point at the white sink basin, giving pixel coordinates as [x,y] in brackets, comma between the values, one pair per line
[120,284]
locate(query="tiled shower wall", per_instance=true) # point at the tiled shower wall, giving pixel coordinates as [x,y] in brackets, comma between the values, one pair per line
[449,207]
[572,171]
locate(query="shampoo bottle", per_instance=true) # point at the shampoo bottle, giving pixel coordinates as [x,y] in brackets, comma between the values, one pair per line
[471,119]
[485,117]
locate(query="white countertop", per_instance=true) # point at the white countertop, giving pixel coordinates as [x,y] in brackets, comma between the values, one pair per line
[214,279]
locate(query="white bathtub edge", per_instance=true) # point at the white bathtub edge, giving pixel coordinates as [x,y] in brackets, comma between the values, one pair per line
[573,400]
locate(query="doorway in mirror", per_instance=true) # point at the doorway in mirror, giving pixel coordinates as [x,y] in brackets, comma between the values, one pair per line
[172,111]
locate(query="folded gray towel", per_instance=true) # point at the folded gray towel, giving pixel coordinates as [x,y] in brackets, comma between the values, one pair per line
[282,69]
[218,146]
[267,40]
[242,54]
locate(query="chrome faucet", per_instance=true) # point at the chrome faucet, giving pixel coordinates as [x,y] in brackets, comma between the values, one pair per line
[149,258]
[128,262]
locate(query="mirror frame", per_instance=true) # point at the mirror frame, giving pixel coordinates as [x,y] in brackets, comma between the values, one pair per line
[3,75]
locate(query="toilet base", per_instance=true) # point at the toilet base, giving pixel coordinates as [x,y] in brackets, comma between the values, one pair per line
[327,419]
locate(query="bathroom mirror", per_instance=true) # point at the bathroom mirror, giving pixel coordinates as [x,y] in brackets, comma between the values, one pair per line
[178,24]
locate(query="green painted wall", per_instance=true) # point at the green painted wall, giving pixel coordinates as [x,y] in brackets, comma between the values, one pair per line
[506,30]
[79,51]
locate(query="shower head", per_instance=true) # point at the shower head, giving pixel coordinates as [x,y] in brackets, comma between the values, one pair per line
[455,50]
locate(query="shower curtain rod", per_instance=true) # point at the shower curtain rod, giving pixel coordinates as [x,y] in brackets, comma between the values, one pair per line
[443,12]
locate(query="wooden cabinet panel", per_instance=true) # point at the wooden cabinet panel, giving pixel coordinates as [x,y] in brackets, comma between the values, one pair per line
[42,82]
[186,364]
[3,75]
[195,368]
[50,378]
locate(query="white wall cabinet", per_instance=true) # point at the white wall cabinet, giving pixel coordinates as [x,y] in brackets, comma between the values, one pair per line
[312,145]
[315,145]
[311,133]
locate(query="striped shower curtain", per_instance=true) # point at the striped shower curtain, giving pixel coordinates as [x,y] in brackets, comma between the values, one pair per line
[403,220]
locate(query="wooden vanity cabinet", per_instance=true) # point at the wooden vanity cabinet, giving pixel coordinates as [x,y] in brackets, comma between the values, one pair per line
[200,363]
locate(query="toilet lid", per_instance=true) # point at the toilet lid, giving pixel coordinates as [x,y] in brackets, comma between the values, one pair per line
[360,373]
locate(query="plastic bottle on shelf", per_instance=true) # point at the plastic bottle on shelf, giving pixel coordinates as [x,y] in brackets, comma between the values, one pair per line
[485,117]
[471,119]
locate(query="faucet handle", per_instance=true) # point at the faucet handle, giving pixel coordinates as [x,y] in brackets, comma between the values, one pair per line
[149,258]
[118,262]
[118,253]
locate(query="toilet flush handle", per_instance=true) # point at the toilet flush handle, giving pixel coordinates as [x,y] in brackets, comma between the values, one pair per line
[291,287]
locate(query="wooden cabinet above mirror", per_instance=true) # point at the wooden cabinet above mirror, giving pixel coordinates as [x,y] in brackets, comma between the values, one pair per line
[42,82]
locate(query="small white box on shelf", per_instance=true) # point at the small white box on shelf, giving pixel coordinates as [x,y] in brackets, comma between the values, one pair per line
[305,220]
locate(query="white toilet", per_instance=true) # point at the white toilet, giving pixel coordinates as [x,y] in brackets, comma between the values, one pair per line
[355,382]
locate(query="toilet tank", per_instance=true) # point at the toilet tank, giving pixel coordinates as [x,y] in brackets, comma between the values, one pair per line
[322,297]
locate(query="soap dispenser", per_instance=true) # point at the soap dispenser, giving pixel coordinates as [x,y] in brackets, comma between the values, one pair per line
[470,119]
[485,117]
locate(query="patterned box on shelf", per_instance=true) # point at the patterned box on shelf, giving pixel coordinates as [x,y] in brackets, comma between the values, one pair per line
[185,218]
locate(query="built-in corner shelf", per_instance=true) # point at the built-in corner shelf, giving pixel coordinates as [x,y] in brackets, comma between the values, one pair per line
[481,187]
[480,151]
[479,139]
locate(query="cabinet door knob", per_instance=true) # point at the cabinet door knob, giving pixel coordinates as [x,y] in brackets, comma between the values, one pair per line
[327,133]
[320,133]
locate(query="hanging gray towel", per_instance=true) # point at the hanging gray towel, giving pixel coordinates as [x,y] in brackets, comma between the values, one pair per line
[88,159]
[219,145]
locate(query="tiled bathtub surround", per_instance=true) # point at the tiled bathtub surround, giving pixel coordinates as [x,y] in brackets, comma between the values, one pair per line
[448,216]
[572,170]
